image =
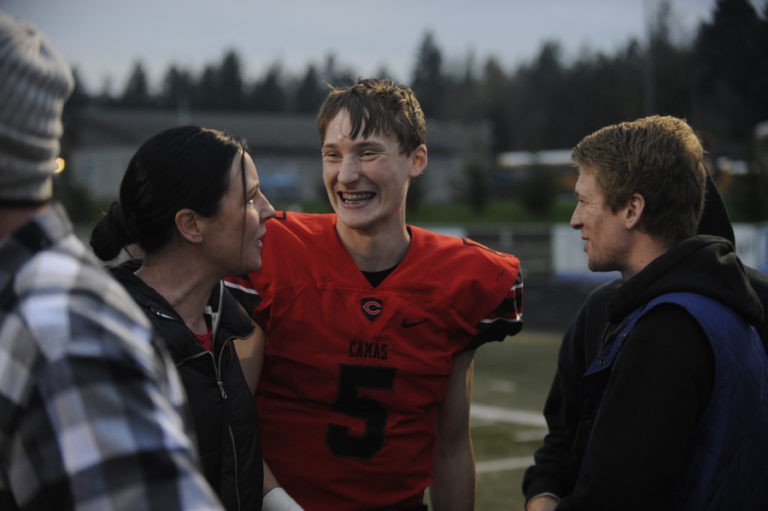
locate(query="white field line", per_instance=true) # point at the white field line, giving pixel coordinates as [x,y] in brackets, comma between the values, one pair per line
[497,414]
[489,413]
[484,467]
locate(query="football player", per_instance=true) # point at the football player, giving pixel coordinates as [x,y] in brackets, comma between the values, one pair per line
[372,323]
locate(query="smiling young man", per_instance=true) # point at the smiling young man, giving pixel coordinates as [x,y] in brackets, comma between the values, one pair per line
[372,324]
[672,412]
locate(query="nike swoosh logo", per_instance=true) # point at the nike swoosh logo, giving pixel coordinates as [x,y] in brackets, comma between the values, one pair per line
[409,324]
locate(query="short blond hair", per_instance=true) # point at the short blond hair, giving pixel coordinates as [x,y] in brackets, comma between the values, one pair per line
[659,157]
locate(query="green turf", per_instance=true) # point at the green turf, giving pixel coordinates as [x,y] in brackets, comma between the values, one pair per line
[514,374]
[499,491]
[505,440]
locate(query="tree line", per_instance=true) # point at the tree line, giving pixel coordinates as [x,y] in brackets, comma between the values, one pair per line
[717,79]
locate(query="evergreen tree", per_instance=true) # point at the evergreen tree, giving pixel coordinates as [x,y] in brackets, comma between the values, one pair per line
[475,190]
[268,94]
[462,100]
[206,94]
[104,98]
[538,190]
[335,75]
[136,92]
[428,82]
[731,81]
[80,96]
[494,91]
[668,67]
[310,92]
[177,89]
[231,82]
[548,99]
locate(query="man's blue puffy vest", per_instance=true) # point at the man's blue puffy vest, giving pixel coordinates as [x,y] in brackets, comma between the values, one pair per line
[727,464]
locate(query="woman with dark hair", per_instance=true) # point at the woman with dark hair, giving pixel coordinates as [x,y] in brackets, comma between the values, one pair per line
[190,200]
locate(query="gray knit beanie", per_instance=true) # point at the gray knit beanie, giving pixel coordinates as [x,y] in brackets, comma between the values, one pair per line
[35,81]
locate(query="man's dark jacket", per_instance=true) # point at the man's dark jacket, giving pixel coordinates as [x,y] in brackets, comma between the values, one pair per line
[679,389]
[222,406]
[554,471]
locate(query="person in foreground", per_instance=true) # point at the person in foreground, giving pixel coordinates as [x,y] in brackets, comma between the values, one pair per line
[551,475]
[372,324]
[91,408]
[671,412]
[191,201]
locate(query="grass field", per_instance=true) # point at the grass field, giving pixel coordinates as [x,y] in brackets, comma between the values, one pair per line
[514,375]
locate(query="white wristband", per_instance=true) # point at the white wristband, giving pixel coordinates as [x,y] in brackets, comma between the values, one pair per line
[277,500]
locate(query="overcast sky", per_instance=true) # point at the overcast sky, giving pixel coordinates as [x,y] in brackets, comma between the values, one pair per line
[103,38]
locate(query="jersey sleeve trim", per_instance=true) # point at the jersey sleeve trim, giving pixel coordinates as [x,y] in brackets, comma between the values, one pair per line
[505,320]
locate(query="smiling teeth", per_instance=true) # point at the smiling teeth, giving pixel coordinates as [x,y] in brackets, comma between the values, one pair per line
[354,198]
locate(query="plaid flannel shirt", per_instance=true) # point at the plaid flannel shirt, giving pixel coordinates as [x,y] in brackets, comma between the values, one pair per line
[91,408]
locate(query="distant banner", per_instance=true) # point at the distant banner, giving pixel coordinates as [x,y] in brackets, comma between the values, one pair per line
[569,261]
[752,245]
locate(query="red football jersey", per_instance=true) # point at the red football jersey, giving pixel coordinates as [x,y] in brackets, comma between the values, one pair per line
[354,374]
